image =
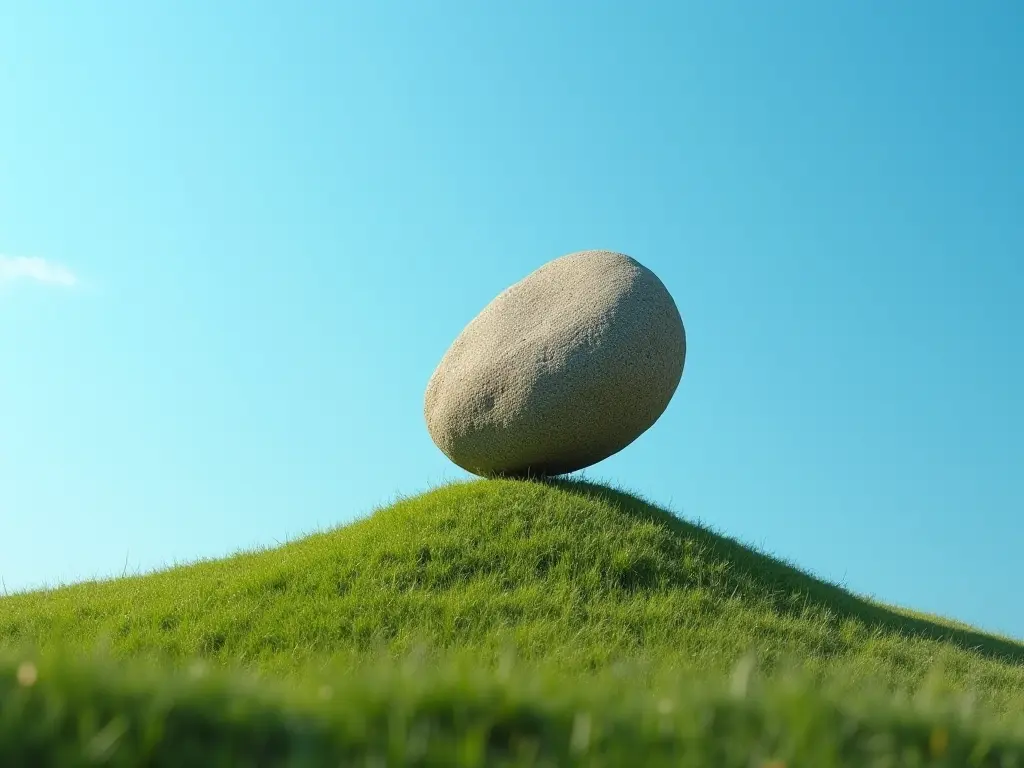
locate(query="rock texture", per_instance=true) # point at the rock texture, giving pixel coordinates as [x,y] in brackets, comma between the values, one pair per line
[561,370]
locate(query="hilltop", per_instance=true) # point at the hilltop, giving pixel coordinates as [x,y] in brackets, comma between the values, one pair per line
[518,623]
[569,573]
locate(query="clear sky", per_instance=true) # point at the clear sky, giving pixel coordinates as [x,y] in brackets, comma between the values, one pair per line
[238,236]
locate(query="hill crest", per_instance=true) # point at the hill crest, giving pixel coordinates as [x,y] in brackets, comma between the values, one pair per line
[572,573]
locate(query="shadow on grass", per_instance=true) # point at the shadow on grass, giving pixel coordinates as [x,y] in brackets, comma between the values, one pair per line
[779,582]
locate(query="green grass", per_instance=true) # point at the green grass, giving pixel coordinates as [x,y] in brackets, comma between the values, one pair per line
[70,714]
[608,608]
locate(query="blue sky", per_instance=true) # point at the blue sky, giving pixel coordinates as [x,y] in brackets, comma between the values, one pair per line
[238,236]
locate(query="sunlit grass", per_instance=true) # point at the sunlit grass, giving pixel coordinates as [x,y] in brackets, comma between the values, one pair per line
[580,588]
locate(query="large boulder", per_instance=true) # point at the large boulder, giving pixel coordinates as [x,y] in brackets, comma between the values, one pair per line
[561,370]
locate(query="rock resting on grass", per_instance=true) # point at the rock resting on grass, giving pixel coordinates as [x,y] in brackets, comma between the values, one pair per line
[561,370]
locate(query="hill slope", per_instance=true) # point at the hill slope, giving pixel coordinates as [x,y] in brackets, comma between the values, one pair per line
[572,578]
[571,574]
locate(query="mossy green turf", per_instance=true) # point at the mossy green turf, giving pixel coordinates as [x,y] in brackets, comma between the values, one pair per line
[575,582]
[68,714]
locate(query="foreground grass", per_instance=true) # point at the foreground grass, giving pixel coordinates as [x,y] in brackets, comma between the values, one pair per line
[600,598]
[59,713]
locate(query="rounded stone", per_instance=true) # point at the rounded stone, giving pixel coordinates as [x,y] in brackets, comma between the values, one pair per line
[561,370]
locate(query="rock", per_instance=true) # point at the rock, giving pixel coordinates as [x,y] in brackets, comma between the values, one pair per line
[561,370]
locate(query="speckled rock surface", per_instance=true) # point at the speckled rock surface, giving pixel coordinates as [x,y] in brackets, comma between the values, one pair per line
[561,370]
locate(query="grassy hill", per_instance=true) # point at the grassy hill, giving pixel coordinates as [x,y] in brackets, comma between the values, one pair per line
[602,603]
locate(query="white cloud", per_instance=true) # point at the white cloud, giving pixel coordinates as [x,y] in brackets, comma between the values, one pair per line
[31,268]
